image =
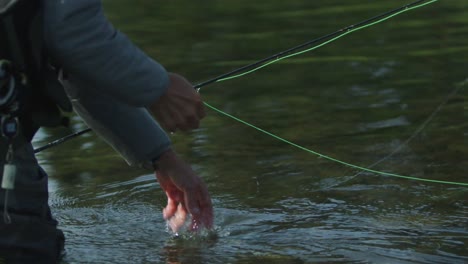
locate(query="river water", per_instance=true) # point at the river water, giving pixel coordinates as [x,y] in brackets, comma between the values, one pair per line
[391,97]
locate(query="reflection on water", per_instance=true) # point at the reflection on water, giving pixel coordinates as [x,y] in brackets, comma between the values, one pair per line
[366,99]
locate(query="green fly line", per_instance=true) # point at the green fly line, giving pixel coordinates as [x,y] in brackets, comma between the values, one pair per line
[328,157]
[349,31]
[268,61]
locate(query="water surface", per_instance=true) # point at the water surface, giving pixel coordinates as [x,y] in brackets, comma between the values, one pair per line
[373,98]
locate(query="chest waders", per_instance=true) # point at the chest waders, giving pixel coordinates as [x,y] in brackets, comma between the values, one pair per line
[28,233]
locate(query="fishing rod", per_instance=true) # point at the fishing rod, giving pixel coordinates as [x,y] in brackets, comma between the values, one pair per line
[293,50]
[299,49]
[61,140]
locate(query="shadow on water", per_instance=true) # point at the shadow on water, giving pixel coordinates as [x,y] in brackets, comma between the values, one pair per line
[366,99]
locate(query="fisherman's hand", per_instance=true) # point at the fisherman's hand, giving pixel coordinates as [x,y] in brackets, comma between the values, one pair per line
[181,107]
[186,194]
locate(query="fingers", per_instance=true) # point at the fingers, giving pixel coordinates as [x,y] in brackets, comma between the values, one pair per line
[171,209]
[175,213]
[174,195]
[186,193]
[199,206]
[196,202]
[180,108]
[184,121]
[172,121]
[178,220]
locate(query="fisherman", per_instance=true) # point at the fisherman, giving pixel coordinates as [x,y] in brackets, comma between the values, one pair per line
[115,88]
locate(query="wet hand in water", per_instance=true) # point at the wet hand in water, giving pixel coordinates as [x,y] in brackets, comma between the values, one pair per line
[186,193]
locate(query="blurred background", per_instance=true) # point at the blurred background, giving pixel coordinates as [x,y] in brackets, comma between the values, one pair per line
[378,97]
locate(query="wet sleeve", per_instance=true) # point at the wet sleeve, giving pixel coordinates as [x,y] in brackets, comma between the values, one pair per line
[80,39]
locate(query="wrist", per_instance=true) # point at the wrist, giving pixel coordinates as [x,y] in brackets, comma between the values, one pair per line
[163,158]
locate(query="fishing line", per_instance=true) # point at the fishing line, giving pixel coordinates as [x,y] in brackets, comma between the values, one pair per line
[407,141]
[334,36]
[422,126]
[322,40]
[328,157]
[279,56]
[293,52]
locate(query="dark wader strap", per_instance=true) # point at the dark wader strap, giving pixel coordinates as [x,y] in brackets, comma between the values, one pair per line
[17,50]
[9,123]
[32,235]
[17,57]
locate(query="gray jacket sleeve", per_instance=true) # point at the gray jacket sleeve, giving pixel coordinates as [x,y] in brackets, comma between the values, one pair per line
[130,130]
[109,80]
[84,44]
